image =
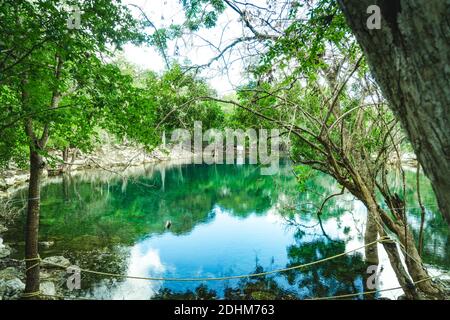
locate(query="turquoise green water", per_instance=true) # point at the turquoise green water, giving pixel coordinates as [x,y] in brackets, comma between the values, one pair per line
[226,220]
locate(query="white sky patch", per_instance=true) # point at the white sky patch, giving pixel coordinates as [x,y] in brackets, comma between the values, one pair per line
[196,49]
[142,264]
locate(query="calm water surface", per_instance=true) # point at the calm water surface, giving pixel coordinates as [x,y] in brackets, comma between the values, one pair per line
[226,220]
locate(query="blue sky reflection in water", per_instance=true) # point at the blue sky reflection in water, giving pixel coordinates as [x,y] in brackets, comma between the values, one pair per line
[226,220]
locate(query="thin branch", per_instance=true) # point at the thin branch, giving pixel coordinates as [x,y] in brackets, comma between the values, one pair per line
[158,37]
[319,212]
[422,211]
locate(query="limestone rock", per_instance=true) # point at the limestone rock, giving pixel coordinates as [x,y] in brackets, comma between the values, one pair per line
[46,244]
[51,262]
[9,274]
[53,275]
[47,288]
[4,250]
[11,289]
[3,229]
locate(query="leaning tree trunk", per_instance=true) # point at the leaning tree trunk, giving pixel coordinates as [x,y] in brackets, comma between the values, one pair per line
[402,276]
[414,262]
[371,252]
[32,225]
[371,235]
[391,249]
[409,57]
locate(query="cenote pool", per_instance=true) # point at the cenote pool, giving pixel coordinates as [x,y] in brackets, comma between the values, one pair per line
[226,220]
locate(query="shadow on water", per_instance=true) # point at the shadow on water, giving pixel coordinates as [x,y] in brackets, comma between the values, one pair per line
[226,220]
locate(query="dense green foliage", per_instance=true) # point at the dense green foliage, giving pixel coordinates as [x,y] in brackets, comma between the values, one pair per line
[55,79]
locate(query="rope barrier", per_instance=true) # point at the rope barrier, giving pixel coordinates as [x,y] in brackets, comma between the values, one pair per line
[350,295]
[38,259]
[252,275]
[31,294]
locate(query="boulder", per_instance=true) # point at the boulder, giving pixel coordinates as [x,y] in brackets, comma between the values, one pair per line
[55,262]
[46,244]
[11,289]
[53,275]
[44,275]
[4,250]
[9,273]
[3,229]
[48,288]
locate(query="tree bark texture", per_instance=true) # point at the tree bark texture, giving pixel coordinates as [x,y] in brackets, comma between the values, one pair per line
[371,235]
[410,59]
[32,225]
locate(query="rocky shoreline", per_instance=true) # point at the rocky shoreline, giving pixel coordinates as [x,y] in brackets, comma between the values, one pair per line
[12,278]
[107,157]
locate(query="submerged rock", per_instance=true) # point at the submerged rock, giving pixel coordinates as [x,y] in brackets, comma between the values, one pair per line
[55,262]
[262,295]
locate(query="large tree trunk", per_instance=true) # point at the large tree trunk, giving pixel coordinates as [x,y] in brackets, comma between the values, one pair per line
[32,225]
[409,57]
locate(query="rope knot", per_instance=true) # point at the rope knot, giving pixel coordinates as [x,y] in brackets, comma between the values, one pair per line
[38,259]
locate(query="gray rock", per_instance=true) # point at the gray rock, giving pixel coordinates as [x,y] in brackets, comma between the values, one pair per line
[11,289]
[9,274]
[43,275]
[15,285]
[55,262]
[4,251]
[3,228]
[48,288]
[53,275]
[46,244]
